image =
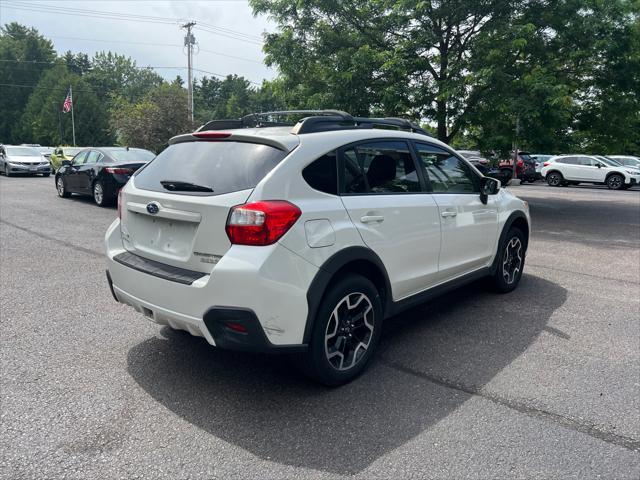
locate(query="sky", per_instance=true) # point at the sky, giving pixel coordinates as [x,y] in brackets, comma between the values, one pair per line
[224,29]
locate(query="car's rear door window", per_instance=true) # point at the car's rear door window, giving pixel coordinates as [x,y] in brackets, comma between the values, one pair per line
[379,167]
[223,167]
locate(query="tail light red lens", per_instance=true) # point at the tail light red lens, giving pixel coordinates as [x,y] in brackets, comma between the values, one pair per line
[261,223]
[120,204]
[119,171]
[546,164]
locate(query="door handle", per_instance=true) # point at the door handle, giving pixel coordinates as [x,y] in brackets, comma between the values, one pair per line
[448,214]
[372,219]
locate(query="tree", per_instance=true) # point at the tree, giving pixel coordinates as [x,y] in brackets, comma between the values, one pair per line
[43,123]
[114,74]
[152,121]
[78,63]
[231,97]
[25,56]
[382,56]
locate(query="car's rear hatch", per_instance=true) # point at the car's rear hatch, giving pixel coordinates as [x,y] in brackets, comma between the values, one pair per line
[175,209]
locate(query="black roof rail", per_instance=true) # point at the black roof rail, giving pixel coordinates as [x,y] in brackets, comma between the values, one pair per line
[313,121]
[269,119]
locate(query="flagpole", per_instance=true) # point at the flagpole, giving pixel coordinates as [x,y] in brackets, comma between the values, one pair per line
[73,122]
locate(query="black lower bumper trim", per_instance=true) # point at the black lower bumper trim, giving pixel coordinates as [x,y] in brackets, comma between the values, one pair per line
[157,269]
[253,340]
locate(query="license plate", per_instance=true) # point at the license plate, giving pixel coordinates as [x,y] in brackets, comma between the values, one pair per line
[33,169]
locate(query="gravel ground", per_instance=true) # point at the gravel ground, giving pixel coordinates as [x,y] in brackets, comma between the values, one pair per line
[540,383]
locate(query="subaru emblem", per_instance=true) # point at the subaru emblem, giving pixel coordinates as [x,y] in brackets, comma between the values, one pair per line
[153,208]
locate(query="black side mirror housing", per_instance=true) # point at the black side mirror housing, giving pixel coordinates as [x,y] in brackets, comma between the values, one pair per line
[488,186]
[599,165]
[66,163]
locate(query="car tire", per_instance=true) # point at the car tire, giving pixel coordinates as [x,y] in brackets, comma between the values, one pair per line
[554,179]
[510,261]
[100,194]
[61,188]
[345,332]
[615,182]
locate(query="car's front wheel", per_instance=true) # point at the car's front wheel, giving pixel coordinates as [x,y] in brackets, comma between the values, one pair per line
[61,188]
[510,261]
[615,182]
[346,331]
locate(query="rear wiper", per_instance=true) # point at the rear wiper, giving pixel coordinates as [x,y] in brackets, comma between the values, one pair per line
[178,186]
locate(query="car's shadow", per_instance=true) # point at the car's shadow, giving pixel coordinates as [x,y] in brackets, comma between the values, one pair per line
[262,405]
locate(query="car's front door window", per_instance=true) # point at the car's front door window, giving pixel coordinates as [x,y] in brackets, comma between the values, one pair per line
[80,159]
[446,172]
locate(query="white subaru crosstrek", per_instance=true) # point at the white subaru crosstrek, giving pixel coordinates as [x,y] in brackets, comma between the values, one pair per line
[304,239]
[565,170]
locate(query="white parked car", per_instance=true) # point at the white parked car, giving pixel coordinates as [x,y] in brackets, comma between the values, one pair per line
[574,169]
[20,159]
[305,239]
[627,160]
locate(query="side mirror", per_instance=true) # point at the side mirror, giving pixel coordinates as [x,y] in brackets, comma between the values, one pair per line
[66,163]
[599,165]
[488,186]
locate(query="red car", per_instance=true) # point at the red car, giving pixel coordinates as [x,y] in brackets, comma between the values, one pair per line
[525,167]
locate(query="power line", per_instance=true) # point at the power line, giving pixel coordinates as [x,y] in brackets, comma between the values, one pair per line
[226,32]
[150,67]
[154,44]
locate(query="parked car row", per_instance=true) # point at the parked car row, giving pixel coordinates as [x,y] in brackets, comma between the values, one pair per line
[616,172]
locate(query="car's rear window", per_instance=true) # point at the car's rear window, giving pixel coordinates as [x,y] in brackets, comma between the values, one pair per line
[132,155]
[223,167]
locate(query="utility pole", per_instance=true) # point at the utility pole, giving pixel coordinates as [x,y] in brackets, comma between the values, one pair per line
[515,147]
[189,42]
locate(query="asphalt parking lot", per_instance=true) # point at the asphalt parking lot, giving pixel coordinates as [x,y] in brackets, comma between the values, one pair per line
[540,383]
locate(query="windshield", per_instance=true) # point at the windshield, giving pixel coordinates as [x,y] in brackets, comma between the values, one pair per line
[72,151]
[223,167]
[132,155]
[22,152]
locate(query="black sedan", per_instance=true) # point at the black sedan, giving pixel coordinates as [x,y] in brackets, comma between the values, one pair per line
[100,172]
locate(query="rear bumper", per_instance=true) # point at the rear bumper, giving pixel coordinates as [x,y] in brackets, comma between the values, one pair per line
[269,282]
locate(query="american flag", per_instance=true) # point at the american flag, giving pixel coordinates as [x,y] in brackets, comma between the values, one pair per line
[66,106]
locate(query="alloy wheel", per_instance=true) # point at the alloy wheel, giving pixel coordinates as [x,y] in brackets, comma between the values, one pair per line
[512,260]
[615,182]
[554,180]
[60,185]
[349,331]
[98,193]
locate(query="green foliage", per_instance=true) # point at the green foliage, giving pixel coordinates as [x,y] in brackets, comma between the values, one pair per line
[565,71]
[152,121]
[25,56]
[114,74]
[44,123]
[232,97]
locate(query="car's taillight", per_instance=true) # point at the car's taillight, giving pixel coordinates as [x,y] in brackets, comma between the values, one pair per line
[261,223]
[546,164]
[120,204]
[118,171]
